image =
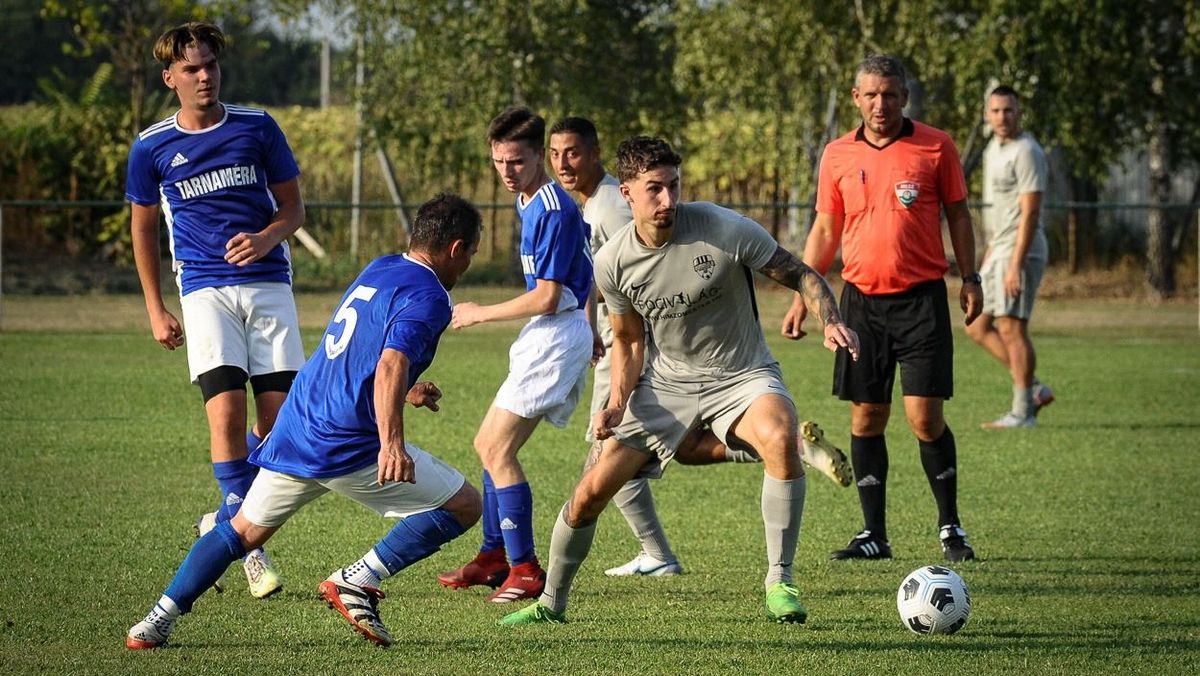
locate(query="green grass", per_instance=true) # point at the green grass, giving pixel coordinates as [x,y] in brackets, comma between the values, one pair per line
[1086,526]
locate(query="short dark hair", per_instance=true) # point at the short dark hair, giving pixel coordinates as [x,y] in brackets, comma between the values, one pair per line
[1005,90]
[518,124]
[443,219]
[883,65]
[171,45]
[581,127]
[643,153]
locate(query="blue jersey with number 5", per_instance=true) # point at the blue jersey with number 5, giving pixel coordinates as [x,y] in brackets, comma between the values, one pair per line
[327,425]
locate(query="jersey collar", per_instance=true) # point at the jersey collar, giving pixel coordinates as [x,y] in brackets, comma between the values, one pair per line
[906,129]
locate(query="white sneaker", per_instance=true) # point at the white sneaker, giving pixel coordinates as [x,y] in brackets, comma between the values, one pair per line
[1010,420]
[644,564]
[817,452]
[206,523]
[151,632]
[261,575]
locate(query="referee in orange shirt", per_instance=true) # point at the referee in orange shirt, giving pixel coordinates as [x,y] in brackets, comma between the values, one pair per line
[879,196]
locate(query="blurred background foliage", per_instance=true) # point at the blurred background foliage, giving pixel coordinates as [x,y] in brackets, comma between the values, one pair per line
[748,90]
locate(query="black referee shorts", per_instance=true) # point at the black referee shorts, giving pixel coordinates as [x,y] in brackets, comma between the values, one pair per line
[912,328]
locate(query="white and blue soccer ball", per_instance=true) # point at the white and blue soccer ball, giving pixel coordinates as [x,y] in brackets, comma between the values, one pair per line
[933,600]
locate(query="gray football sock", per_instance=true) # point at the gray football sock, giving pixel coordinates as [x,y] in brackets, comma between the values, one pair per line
[568,548]
[782,508]
[1022,401]
[739,455]
[636,503]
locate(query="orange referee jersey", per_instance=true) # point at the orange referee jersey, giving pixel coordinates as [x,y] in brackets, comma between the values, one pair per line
[891,198]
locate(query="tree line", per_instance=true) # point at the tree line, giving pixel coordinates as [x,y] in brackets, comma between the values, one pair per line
[749,90]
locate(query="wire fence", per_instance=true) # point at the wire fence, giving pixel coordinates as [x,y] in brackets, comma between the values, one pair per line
[53,246]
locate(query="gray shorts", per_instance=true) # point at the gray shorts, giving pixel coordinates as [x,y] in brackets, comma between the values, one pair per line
[996,302]
[662,411]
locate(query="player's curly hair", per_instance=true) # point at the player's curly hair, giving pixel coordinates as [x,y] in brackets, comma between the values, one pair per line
[643,153]
[442,220]
[518,124]
[171,45]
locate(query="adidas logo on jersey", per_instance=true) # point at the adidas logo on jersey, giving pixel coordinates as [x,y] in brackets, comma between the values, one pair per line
[233,499]
[507,524]
[178,160]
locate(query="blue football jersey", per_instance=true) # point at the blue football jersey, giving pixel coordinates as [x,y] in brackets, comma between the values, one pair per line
[213,184]
[554,244]
[327,426]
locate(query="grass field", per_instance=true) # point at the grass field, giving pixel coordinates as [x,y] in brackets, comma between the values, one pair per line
[1087,526]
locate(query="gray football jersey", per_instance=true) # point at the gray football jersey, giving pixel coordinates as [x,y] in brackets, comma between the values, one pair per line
[606,211]
[696,293]
[1009,169]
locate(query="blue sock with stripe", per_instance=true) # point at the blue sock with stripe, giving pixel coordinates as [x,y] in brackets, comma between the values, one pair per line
[204,565]
[234,478]
[492,537]
[516,521]
[413,539]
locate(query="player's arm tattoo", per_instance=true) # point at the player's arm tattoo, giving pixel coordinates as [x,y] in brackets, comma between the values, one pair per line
[793,273]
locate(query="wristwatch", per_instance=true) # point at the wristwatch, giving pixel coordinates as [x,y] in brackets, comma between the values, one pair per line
[972,278]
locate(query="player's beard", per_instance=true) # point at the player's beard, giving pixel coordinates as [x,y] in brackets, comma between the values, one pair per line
[664,219]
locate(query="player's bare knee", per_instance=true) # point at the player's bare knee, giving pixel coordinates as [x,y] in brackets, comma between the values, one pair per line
[495,458]
[585,506]
[869,420]
[927,427]
[465,506]
[251,534]
[579,513]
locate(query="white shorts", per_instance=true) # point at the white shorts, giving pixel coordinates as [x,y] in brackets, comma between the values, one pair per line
[273,497]
[602,373]
[547,367]
[251,326]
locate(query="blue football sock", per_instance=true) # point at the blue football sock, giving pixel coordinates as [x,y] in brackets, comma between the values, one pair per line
[516,521]
[252,440]
[204,565]
[234,477]
[492,537]
[415,538]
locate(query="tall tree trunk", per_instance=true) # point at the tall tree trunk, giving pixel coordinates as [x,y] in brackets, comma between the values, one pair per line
[1160,259]
[1160,264]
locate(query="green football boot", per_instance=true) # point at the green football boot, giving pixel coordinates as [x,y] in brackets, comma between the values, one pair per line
[532,614]
[783,603]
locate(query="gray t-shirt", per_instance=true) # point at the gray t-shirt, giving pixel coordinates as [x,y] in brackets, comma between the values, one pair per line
[1009,169]
[606,211]
[696,292]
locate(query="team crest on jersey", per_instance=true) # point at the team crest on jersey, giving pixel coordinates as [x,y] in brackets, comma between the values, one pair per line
[704,266]
[906,192]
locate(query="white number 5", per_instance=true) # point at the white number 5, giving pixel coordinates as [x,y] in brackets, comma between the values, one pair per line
[349,316]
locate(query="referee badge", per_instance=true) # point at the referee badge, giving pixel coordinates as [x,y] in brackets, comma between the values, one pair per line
[907,191]
[704,265]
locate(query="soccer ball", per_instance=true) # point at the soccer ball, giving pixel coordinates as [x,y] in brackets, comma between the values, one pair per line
[933,600]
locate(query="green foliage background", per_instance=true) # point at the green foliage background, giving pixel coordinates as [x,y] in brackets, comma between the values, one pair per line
[750,91]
